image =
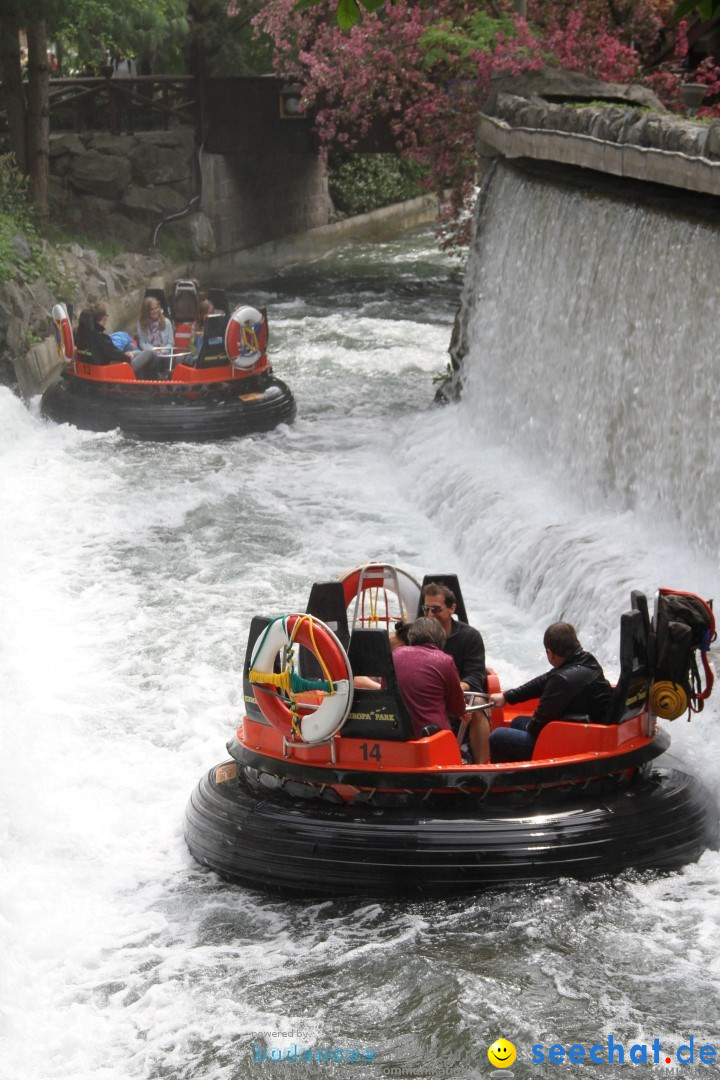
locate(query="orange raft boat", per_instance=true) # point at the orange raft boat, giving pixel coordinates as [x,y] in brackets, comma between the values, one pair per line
[328,793]
[227,390]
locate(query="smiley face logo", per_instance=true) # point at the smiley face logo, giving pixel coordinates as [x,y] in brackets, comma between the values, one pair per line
[501,1054]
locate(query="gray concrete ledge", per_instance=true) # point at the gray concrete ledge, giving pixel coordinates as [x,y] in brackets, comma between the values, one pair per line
[304,247]
[671,167]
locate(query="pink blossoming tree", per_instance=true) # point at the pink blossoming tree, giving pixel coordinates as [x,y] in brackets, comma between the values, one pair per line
[423,68]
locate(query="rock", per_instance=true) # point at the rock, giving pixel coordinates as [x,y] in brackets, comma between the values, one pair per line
[20,247]
[151,205]
[152,165]
[557,84]
[686,138]
[115,145]
[60,166]
[13,301]
[712,142]
[100,174]
[16,336]
[176,138]
[194,231]
[61,145]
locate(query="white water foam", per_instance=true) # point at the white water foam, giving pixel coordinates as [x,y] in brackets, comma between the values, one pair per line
[132,572]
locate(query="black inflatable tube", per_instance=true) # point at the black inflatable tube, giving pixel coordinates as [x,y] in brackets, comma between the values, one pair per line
[294,847]
[172,412]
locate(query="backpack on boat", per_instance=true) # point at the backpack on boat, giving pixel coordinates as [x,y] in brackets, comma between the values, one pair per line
[683,626]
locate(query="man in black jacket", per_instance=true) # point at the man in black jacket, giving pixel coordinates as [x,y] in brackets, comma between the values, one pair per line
[95,346]
[575,686]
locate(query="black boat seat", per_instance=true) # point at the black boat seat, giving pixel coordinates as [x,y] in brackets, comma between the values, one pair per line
[327,603]
[212,351]
[375,714]
[630,693]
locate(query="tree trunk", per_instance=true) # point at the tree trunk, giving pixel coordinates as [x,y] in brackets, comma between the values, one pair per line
[13,91]
[38,116]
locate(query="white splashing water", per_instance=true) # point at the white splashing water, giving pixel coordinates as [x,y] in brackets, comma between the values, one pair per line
[131,574]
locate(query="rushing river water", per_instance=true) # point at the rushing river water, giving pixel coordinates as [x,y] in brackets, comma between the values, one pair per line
[131,572]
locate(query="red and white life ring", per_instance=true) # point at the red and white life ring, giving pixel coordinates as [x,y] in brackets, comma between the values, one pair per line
[310,710]
[382,594]
[63,334]
[245,337]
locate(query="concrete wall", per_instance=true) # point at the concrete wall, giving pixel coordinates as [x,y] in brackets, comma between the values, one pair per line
[252,199]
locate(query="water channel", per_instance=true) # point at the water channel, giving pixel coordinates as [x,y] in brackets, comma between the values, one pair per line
[131,573]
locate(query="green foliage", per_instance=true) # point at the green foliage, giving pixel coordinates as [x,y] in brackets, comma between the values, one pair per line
[13,190]
[16,226]
[363,182]
[101,240]
[229,46]
[39,264]
[447,43]
[348,12]
[153,31]
[440,378]
[706,9]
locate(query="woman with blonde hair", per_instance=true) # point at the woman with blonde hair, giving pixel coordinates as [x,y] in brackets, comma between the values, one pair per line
[153,329]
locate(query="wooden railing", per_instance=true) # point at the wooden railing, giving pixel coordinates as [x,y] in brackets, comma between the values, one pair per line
[147,102]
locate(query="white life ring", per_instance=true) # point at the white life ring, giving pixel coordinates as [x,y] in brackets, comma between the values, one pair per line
[244,337]
[310,711]
[62,330]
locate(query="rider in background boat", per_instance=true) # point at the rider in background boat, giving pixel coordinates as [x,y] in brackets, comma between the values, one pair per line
[94,345]
[205,308]
[427,678]
[465,644]
[575,686]
[153,329]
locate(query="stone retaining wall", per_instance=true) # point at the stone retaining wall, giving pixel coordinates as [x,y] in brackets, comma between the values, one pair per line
[637,139]
[131,183]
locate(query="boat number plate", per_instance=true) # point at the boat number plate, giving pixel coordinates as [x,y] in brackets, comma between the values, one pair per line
[225,772]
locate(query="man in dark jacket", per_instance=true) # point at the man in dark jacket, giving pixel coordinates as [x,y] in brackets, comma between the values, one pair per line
[464,643]
[575,686]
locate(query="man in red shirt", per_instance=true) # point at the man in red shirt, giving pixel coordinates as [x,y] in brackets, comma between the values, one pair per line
[427,677]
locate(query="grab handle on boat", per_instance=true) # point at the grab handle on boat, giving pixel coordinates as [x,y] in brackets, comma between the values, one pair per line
[472,706]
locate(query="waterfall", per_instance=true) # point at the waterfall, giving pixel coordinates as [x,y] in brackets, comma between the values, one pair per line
[589,327]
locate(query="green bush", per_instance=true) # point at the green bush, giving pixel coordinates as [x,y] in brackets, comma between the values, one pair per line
[13,190]
[21,250]
[362,182]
